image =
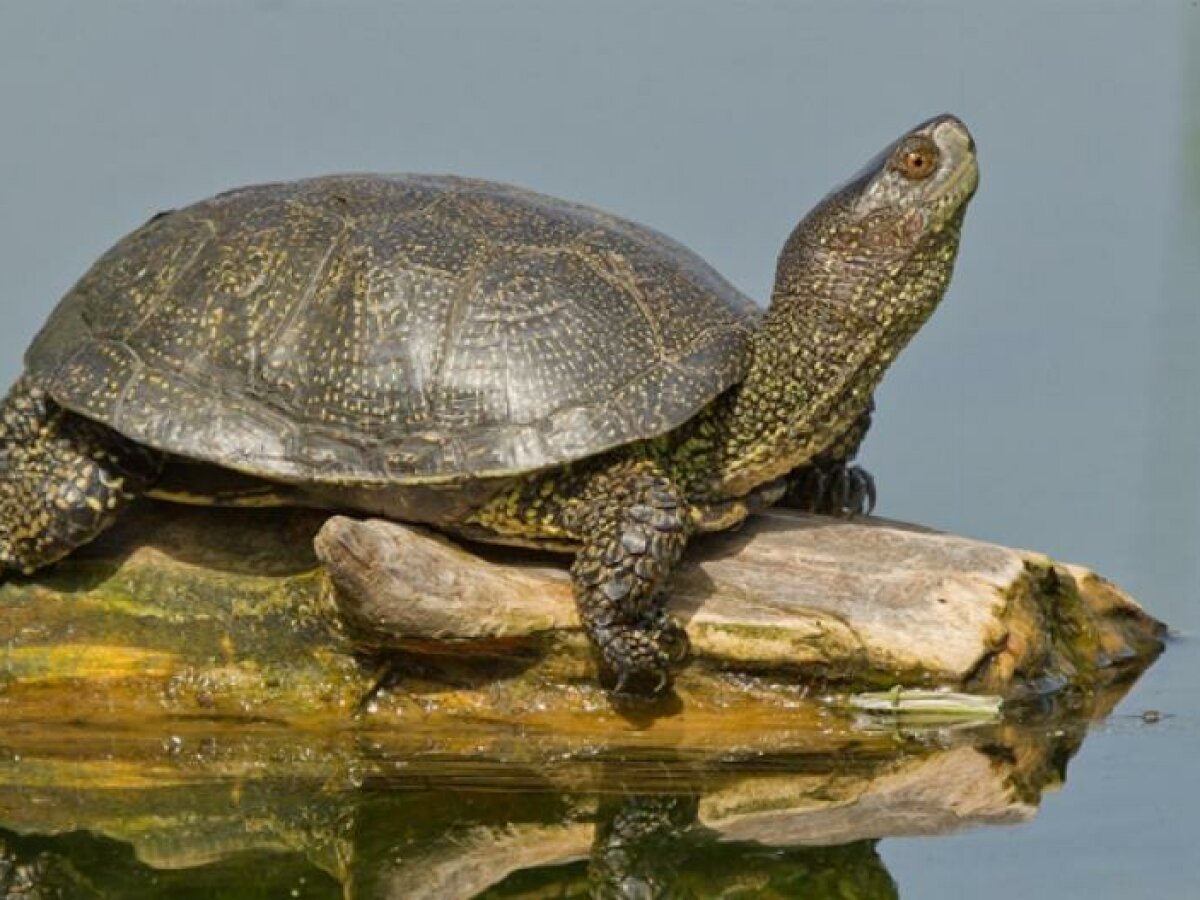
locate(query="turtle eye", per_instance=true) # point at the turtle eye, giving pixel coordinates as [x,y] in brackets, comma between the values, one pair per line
[917,158]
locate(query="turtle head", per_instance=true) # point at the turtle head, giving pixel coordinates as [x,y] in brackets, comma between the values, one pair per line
[913,189]
[885,241]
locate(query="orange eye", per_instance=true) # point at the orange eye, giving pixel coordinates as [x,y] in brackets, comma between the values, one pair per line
[916,159]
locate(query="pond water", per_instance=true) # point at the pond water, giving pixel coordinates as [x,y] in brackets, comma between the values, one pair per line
[1051,403]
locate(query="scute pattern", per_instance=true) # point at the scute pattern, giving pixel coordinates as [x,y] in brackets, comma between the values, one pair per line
[392,329]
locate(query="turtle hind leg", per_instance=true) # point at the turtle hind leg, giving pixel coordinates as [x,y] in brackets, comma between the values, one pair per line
[63,478]
[831,488]
[634,523]
[830,485]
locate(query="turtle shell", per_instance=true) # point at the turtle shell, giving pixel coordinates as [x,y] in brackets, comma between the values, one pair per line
[392,329]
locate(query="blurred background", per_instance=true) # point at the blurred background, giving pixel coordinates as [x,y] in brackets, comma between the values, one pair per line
[1052,401]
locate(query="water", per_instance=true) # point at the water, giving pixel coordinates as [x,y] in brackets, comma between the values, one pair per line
[1049,404]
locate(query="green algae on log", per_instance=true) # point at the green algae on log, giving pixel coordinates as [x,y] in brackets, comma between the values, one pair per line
[199,614]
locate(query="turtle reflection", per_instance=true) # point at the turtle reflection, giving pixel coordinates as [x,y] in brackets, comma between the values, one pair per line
[641,846]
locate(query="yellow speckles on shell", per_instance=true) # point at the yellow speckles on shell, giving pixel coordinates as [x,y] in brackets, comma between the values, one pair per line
[410,329]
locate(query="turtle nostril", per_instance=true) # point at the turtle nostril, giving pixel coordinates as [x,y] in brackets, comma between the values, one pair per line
[957,124]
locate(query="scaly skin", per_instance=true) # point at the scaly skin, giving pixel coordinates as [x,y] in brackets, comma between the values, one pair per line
[633,522]
[64,478]
[823,349]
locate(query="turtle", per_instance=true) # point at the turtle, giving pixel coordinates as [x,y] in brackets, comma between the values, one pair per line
[498,364]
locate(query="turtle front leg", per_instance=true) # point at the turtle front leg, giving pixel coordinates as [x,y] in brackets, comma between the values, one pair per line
[62,478]
[634,523]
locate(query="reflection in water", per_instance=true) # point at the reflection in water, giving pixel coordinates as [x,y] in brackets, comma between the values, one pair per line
[605,822]
[81,865]
[640,844]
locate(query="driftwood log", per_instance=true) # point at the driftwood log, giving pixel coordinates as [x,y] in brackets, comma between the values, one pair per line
[186,615]
[865,602]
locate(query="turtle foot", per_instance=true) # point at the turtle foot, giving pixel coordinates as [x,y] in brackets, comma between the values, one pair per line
[671,637]
[635,664]
[832,489]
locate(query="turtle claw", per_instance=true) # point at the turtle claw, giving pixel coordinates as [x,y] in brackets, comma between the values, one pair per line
[670,636]
[677,646]
[817,487]
[623,689]
[868,481]
[833,489]
[858,494]
[642,669]
[842,489]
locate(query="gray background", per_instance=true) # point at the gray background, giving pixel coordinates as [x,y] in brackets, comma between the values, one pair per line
[1051,403]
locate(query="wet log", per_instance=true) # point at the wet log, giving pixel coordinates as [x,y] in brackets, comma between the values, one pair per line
[183,617]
